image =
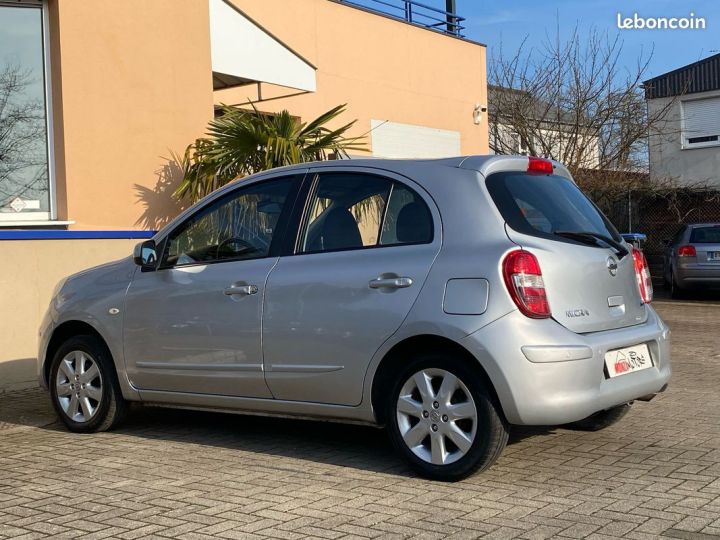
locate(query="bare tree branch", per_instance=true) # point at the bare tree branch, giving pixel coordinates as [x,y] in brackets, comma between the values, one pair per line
[571,100]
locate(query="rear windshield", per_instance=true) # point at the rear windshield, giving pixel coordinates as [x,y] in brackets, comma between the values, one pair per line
[541,205]
[705,235]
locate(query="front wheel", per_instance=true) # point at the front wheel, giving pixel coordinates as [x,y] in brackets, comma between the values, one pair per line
[443,420]
[84,387]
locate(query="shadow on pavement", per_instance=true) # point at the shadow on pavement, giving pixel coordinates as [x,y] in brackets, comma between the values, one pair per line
[347,445]
[29,407]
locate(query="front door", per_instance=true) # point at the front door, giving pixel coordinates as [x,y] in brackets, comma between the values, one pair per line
[362,256]
[193,325]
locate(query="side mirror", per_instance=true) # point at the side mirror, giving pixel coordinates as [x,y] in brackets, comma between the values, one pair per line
[145,254]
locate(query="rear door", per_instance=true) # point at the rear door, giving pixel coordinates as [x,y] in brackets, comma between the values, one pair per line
[365,247]
[590,283]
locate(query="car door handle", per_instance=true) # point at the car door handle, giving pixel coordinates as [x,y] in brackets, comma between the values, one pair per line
[391,283]
[241,290]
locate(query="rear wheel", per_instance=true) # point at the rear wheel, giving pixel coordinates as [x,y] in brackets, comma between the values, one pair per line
[443,420]
[601,420]
[84,387]
[675,290]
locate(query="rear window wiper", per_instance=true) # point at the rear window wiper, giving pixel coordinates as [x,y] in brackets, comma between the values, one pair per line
[621,250]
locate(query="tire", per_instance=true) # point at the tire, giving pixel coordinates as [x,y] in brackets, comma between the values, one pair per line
[84,387]
[675,291]
[601,420]
[411,417]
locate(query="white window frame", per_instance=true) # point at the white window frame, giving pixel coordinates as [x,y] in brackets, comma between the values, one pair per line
[684,144]
[40,218]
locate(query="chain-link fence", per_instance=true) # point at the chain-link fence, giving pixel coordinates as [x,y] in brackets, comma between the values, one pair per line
[659,215]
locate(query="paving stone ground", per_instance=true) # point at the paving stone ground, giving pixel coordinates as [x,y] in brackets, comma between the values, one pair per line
[188,475]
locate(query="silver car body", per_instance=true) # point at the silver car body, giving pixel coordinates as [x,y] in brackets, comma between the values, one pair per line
[699,271]
[311,341]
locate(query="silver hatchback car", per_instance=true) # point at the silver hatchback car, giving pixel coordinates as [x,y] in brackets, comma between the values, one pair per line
[443,299]
[692,259]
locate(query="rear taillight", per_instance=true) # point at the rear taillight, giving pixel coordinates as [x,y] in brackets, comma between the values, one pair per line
[642,274]
[524,281]
[687,251]
[540,165]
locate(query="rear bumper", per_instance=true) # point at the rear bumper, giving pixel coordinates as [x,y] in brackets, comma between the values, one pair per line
[692,274]
[565,381]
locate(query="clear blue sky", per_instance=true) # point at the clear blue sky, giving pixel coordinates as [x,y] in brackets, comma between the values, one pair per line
[509,21]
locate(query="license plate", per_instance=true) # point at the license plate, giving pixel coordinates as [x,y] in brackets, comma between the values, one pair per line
[627,360]
[713,255]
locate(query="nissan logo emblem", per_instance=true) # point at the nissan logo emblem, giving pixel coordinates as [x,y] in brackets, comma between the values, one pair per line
[612,266]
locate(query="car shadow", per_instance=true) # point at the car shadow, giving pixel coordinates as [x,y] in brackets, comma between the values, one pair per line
[355,446]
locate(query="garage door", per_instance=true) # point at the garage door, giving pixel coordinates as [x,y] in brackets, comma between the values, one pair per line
[395,140]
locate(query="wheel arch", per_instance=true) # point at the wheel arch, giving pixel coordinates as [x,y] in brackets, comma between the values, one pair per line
[392,362]
[62,333]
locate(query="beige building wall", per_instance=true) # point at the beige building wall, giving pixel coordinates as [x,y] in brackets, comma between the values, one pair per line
[382,68]
[131,82]
[25,289]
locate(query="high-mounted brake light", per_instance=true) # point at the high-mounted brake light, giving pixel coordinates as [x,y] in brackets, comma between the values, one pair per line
[540,165]
[642,274]
[525,284]
[687,251]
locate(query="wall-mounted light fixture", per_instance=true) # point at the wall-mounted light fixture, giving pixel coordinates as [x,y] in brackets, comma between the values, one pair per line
[478,112]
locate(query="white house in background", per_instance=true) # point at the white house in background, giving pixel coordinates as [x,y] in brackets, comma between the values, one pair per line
[547,133]
[687,146]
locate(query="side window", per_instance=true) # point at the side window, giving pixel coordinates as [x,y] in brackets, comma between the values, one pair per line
[352,211]
[236,227]
[346,212]
[407,220]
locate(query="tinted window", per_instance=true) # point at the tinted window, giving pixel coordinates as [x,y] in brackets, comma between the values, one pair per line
[407,220]
[542,205]
[352,211]
[345,212]
[239,226]
[705,235]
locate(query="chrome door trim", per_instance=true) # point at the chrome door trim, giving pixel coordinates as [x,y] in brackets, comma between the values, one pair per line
[200,367]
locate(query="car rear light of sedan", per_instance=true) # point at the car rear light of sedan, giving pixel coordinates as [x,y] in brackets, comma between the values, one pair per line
[642,274]
[687,251]
[525,284]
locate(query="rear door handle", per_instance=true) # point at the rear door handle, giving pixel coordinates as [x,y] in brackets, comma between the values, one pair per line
[241,290]
[391,283]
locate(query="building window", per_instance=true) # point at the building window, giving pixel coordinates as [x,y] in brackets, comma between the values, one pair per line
[701,122]
[25,180]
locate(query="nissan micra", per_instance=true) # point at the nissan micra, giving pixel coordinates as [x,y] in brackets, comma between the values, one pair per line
[442,299]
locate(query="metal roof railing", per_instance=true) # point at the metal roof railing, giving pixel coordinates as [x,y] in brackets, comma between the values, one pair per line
[414,13]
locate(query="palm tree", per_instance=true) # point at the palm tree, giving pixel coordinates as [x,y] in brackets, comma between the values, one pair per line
[242,142]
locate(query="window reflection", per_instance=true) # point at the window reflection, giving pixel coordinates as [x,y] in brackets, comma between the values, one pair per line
[24,178]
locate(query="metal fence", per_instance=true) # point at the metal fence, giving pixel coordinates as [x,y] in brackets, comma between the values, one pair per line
[659,215]
[416,13]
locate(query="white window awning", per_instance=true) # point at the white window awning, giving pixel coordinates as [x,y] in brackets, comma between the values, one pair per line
[245,53]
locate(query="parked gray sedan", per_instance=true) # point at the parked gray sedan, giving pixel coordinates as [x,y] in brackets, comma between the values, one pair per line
[692,258]
[442,299]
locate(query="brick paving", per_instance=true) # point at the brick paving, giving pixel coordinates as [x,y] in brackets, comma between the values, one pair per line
[189,475]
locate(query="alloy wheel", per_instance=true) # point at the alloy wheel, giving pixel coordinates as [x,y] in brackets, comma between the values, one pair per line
[437,416]
[79,386]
